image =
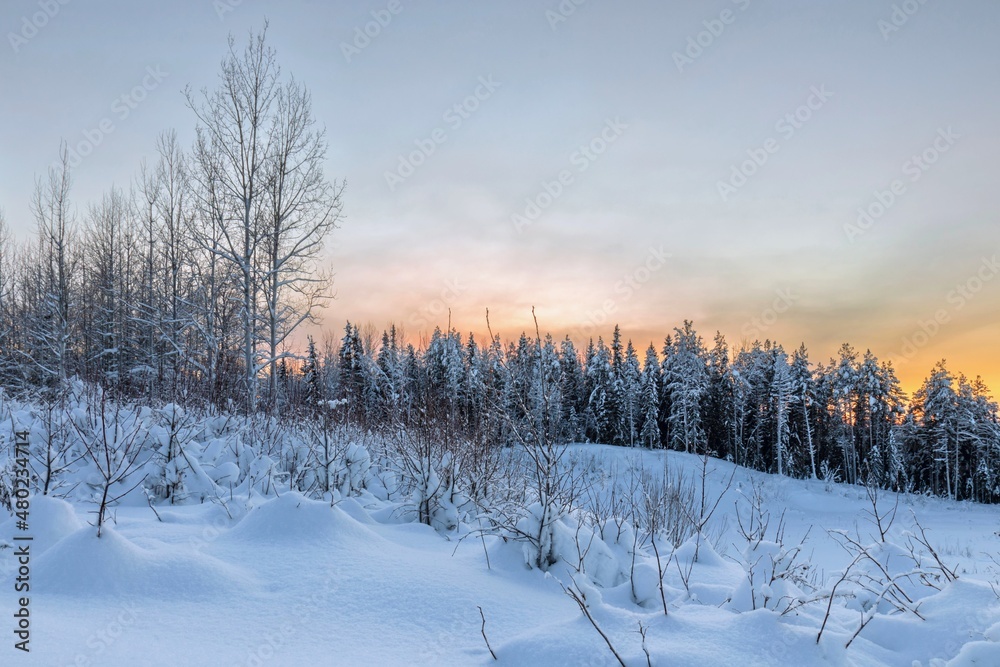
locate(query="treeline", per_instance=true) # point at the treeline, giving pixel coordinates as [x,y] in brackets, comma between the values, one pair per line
[760,407]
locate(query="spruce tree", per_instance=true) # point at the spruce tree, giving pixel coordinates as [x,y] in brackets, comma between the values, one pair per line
[648,405]
[686,381]
[314,393]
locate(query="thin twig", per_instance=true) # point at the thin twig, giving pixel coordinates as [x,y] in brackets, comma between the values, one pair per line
[642,632]
[483,631]
[149,501]
[581,600]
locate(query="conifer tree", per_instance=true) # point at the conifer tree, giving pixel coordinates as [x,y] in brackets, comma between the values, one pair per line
[685,378]
[599,384]
[314,393]
[648,404]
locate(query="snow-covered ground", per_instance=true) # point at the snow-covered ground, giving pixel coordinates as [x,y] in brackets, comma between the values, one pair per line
[294,581]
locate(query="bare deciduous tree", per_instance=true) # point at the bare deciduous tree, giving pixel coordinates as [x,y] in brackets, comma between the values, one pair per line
[260,155]
[51,330]
[303,208]
[233,150]
[6,299]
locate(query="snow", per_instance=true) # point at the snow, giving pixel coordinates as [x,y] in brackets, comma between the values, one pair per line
[83,565]
[52,519]
[283,579]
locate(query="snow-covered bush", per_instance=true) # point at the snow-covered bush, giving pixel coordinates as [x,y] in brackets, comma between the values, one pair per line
[536,529]
[352,471]
[427,462]
[54,451]
[330,456]
[112,439]
[776,576]
[175,474]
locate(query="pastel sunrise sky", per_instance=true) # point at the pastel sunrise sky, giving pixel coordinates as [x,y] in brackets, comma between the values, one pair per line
[795,170]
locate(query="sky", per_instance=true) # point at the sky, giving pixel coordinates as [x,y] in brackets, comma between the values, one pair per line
[808,172]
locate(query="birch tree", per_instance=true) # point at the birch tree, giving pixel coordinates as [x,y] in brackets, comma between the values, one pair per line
[781,394]
[302,209]
[261,155]
[233,145]
[108,292]
[7,333]
[51,328]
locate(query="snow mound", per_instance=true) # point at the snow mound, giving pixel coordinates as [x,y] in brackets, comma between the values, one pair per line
[977,654]
[50,519]
[83,564]
[293,518]
[993,633]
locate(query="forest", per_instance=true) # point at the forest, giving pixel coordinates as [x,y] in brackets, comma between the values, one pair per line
[192,287]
